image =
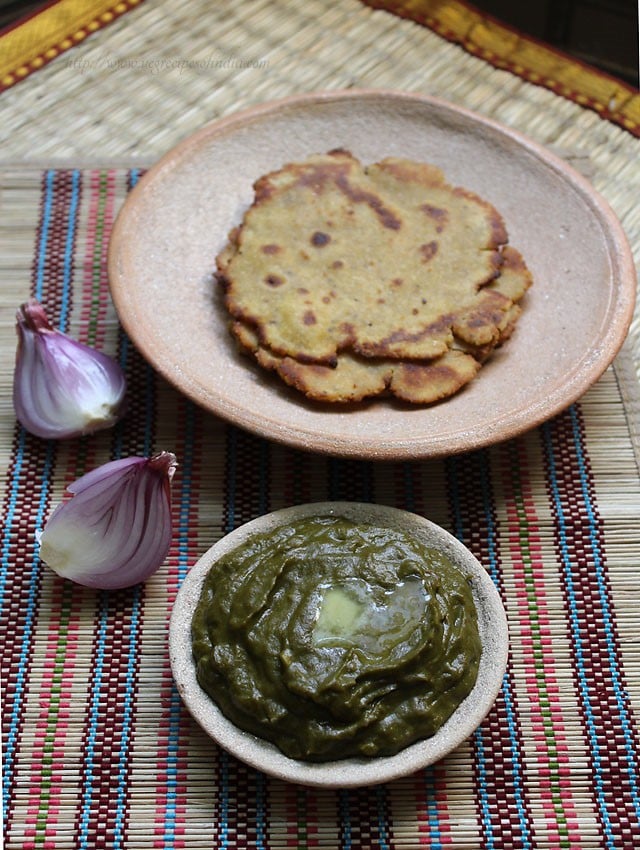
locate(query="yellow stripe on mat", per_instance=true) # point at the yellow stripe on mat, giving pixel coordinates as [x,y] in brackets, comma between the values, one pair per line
[42,37]
[504,47]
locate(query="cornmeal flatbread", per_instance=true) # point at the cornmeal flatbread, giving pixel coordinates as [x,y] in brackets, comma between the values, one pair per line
[351,281]
[355,378]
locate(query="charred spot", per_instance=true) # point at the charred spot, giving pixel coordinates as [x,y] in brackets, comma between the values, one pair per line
[415,373]
[320,369]
[319,175]
[348,334]
[329,361]
[309,318]
[498,231]
[222,280]
[439,216]
[263,189]
[486,315]
[337,264]
[512,259]
[484,318]
[320,239]
[294,373]
[397,281]
[361,196]
[428,251]
[273,280]
[271,248]
[302,290]
[497,262]
[384,347]
[326,299]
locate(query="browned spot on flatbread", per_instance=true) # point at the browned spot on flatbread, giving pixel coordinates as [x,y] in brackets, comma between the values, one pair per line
[387,217]
[439,215]
[425,383]
[499,232]
[274,280]
[439,333]
[349,381]
[428,250]
[333,171]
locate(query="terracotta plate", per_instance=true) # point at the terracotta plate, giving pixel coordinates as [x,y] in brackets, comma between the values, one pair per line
[164,243]
[492,624]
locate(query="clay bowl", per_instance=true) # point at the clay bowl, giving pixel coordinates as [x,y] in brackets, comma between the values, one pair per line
[350,772]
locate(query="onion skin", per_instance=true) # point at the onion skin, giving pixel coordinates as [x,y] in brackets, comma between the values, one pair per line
[62,388]
[116,530]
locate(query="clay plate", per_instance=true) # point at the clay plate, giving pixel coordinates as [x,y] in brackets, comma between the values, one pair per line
[348,772]
[169,230]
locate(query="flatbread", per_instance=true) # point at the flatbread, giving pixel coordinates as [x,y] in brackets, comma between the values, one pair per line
[352,281]
[333,256]
[355,378]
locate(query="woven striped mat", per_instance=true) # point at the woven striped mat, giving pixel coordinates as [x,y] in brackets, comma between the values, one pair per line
[98,749]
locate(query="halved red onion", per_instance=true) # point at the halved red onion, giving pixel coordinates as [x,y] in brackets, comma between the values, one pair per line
[61,387]
[116,530]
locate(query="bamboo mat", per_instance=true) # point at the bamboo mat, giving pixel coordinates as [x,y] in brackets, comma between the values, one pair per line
[99,751]
[97,748]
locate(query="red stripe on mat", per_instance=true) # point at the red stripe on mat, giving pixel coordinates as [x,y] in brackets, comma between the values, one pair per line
[609,733]
[30,456]
[501,797]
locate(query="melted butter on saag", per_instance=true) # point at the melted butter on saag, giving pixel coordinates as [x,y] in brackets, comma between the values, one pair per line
[334,639]
[357,613]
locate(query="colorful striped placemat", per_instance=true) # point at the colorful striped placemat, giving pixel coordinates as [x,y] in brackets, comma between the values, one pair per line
[98,750]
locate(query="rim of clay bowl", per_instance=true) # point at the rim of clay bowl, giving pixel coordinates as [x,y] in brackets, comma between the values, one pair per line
[351,772]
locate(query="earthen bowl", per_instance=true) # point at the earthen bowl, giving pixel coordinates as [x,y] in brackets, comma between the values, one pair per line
[349,772]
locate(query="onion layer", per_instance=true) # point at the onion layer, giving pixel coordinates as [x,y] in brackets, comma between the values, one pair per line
[61,387]
[116,530]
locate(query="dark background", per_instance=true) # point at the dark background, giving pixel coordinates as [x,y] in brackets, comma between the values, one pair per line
[603,33]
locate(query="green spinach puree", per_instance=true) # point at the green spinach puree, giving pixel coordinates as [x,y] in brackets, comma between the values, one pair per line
[333,639]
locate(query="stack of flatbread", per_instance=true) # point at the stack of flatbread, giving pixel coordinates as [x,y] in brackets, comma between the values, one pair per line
[350,281]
